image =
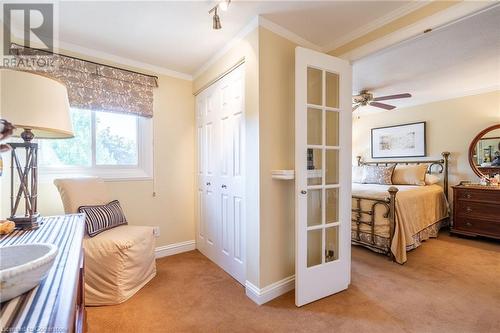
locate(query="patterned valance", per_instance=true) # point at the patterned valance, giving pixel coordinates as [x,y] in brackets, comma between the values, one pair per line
[91,85]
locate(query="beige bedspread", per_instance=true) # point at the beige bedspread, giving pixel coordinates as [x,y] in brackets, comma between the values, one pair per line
[417,207]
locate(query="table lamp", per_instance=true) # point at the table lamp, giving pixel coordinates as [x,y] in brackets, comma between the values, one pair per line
[38,107]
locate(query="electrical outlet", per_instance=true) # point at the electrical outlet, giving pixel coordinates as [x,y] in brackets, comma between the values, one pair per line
[156,231]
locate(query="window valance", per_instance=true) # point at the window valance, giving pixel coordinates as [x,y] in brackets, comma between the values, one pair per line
[91,85]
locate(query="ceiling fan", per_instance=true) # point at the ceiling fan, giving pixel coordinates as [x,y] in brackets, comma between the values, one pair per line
[366,98]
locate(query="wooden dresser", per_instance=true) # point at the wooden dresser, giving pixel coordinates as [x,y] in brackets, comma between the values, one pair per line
[476,210]
[57,303]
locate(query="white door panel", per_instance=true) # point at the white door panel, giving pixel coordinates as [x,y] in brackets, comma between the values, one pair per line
[323,175]
[221,223]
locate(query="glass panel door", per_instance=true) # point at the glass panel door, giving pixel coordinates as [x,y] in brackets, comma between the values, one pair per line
[322,165]
[323,155]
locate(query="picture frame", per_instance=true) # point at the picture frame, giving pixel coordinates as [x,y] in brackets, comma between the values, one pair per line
[405,140]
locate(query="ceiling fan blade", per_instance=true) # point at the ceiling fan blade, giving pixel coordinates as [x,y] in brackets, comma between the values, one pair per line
[385,98]
[355,107]
[382,105]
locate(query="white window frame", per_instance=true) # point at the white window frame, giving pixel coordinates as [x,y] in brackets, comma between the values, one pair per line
[142,171]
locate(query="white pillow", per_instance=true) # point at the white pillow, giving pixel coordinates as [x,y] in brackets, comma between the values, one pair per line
[357,173]
[431,179]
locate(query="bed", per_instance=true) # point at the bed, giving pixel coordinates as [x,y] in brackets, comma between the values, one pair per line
[394,219]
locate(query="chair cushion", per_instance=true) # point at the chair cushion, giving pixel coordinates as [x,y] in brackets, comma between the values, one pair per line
[118,262]
[76,192]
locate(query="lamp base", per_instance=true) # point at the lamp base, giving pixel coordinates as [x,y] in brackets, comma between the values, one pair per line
[26,187]
[26,222]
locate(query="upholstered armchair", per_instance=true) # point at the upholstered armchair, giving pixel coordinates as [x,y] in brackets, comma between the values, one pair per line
[118,261]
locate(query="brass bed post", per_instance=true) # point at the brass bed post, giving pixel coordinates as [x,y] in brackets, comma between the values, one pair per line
[392,217]
[446,156]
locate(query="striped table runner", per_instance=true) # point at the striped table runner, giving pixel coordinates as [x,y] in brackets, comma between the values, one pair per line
[50,306]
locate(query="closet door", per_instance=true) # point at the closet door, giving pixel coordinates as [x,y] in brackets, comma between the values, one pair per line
[231,174]
[207,175]
[221,204]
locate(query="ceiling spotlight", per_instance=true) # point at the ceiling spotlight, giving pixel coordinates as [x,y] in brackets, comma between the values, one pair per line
[216,20]
[224,4]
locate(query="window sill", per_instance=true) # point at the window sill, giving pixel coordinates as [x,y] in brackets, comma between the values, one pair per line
[107,174]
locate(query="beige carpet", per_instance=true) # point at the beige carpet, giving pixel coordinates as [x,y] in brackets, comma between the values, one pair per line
[447,285]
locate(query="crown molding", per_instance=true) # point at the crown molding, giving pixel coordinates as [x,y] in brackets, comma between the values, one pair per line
[124,61]
[436,21]
[83,51]
[257,21]
[251,26]
[285,33]
[374,25]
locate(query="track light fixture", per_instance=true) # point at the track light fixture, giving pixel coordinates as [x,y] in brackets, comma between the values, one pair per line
[223,5]
[216,20]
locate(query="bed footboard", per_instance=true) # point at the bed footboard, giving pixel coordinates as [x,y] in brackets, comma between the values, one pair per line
[390,213]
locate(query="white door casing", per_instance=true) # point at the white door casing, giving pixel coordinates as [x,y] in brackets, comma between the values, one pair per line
[221,202]
[323,175]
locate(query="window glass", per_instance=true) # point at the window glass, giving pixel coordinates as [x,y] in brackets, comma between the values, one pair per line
[116,139]
[101,139]
[70,152]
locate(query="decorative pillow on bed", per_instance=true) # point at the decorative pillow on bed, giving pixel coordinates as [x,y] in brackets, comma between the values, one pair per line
[357,173]
[409,174]
[373,174]
[431,179]
[103,217]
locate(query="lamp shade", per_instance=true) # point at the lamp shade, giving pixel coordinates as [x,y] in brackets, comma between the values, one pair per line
[35,102]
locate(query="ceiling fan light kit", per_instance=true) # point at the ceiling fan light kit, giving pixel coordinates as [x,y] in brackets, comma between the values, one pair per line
[366,98]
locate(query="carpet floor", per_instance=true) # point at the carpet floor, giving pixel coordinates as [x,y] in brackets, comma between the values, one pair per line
[449,284]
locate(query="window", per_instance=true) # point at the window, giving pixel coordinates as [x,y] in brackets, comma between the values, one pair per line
[109,145]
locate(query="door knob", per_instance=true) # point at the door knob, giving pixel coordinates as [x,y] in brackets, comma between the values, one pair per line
[468,209]
[303,192]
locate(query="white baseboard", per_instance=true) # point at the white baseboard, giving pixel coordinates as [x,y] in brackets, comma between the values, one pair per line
[171,249]
[270,292]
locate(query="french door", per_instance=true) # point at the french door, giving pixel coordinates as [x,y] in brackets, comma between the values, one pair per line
[221,204]
[323,175]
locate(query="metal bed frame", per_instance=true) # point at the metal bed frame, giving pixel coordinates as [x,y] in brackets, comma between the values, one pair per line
[389,203]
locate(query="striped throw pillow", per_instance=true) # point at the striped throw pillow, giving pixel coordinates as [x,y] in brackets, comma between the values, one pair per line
[103,217]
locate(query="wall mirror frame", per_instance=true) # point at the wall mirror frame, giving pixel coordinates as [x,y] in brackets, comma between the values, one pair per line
[480,158]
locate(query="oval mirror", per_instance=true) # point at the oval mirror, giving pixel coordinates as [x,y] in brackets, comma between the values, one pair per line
[484,152]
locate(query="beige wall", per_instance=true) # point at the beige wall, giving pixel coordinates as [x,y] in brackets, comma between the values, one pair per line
[277,151]
[451,126]
[172,208]
[247,48]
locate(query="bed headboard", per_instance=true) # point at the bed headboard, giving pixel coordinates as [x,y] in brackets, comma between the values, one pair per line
[436,166]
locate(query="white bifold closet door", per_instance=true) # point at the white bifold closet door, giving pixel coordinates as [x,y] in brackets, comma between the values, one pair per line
[220,146]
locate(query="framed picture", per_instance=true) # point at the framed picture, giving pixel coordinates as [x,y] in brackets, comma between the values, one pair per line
[407,140]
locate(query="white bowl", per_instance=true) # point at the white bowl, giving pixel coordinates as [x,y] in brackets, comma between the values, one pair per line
[22,267]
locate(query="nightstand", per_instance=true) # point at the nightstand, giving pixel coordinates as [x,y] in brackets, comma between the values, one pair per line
[476,210]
